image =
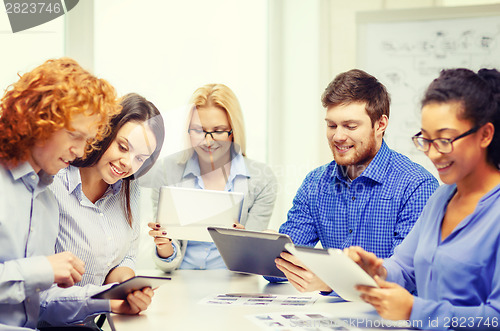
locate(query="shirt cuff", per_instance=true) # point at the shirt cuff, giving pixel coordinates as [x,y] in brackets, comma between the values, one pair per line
[275,279]
[37,273]
[170,258]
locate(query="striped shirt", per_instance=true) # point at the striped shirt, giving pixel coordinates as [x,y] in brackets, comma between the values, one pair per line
[99,233]
[375,211]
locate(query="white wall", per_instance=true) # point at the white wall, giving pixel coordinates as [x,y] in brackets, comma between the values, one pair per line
[164,50]
[24,50]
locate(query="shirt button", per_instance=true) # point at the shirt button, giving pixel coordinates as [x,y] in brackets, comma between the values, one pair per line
[108,264]
[350,230]
[353,198]
[101,214]
[33,177]
[37,290]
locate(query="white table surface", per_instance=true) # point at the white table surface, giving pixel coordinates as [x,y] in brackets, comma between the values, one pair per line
[176,305]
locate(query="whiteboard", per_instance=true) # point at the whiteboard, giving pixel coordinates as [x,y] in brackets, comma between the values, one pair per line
[406,50]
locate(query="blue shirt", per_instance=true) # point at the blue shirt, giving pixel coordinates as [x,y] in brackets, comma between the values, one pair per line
[457,279]
[375,211]
[99,234]
[204,255]
[28,231]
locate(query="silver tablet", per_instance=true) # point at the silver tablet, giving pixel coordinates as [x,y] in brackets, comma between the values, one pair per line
[185,213]
[335,268]
[250,252]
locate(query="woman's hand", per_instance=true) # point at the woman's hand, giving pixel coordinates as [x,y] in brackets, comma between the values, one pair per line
[136,302]
[368,261]
[390,300]
[164,246]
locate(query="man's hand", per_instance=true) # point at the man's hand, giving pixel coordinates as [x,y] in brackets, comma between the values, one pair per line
[164,246]
[68,269]
[298,275]
[136,302]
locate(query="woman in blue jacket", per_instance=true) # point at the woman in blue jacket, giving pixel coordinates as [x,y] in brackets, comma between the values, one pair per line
[451,258]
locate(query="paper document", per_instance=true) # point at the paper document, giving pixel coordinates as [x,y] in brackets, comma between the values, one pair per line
[238,299]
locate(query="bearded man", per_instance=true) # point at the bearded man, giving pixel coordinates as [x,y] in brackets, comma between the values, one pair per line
[369,196]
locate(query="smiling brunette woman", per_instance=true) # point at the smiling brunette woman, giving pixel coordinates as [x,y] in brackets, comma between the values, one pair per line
[98,197]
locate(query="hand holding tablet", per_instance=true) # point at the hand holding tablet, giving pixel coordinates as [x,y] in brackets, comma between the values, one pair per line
[120,291]
[248,251]
[335,268]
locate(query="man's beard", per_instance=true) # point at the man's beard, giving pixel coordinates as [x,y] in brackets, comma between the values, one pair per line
[363,154]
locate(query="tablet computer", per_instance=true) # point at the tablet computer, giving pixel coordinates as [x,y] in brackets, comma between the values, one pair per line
[120,291]
[335,268]
[185,213]
[250,252]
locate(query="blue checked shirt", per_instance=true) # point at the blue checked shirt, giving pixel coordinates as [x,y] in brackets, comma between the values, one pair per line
[375,211]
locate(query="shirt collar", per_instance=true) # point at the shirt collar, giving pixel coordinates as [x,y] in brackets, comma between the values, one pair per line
[192,167]
[238,166]
[376,170]
[30,178]
[73,177]
[74,180]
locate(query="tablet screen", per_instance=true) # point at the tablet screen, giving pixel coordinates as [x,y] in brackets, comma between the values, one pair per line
[251,252]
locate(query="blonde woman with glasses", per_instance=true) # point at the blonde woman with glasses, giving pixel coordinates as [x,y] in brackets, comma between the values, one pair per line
[216,161]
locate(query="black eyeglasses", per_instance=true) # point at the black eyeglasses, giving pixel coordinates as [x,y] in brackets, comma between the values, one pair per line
[442,145]
[216,135]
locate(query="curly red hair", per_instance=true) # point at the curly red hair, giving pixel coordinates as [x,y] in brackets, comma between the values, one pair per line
[45,99]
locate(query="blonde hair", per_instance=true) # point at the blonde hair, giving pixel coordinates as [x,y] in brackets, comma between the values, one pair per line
[220,96]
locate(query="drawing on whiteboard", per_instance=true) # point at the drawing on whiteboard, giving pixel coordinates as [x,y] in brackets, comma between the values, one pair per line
[407,56]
